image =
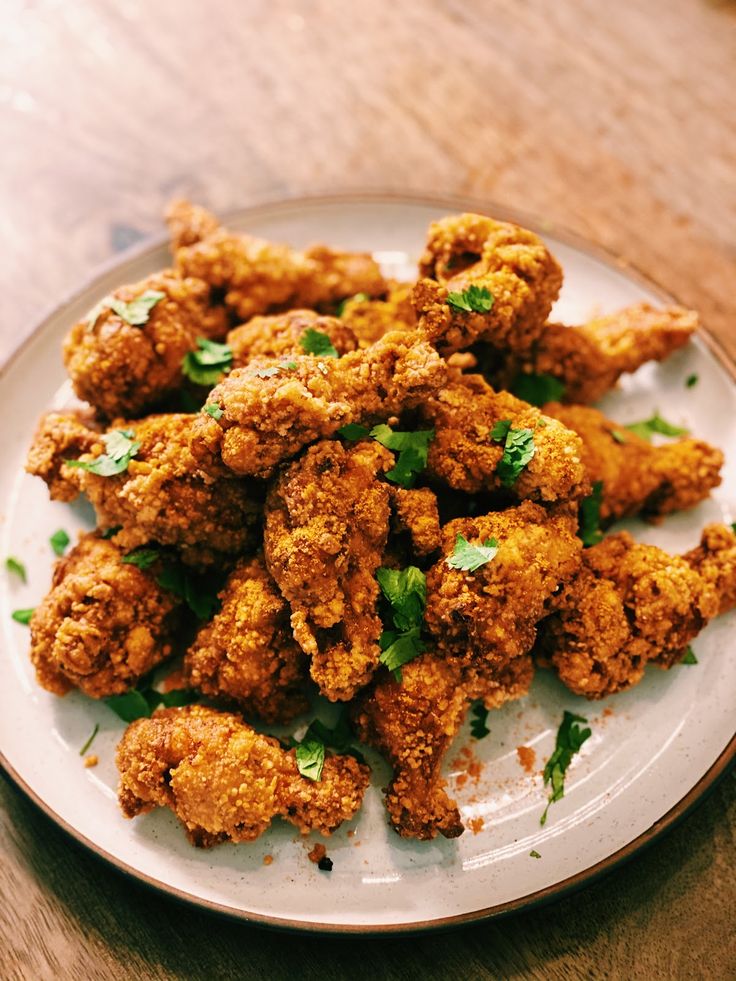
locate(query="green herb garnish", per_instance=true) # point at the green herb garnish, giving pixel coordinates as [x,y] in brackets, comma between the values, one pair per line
[691,380]
[537,389]
[214,410]
[617,435]
[646,429]
[135,313]
[406,592]
[16,567]
[59,542]
[412,449]
[90,740]
[357,298]
[143,558]
[478,727]
[23,616]
[353,431]
[534,853]
[120,449]
[141,703]
[689,657]
[570,737]
[111,532]
[208,363]
[589,516]
[200,597]
[473,299]
[310,757]
[467,558]
[518,450]
[318,343]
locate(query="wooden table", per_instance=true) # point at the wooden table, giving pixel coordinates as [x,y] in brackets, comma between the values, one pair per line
[616,121]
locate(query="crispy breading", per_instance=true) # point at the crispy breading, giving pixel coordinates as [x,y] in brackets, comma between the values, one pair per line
[103,625]
[372,318]
[269,413]
[589,359]
[127,370]
[279,336]
[162,496]
[247,653]
[464,456]
[327,520]
[638,477]
[261,277]
[491,614]
[226,782]
[413,722]
[60,436]
[415,511]
[512,263]
[631,604]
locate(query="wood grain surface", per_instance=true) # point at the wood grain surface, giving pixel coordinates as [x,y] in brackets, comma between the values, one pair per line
[616,121]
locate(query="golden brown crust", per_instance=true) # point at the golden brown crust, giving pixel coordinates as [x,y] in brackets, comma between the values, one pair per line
[246,652]
[370,319]
[104,624]
[279,336]
[715,561]
[226,782]
[60,436]
[415,511]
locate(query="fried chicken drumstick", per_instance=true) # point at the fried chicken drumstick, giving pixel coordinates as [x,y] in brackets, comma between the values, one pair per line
[226,782]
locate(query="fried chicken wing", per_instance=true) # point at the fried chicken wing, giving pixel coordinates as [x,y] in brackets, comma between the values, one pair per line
[259,276]
[464,456]
[226,782]
[127,369]
[491,614]
[247,653]
[590,359]
[270,412]
[509,262]
[161,497]
[103,625]
[631,604]
[370,319]
[637,477]
[279,336]
[413,722]
[327,520]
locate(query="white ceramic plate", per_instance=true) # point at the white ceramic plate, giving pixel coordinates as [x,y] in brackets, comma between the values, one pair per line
[654,750]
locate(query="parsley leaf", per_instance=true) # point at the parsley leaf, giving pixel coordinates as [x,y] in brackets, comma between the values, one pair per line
[478,727]
[213,409]
[357,298]
[656,424]
[208,363]
[691,380]
[16,567]
[537,389]
[412,449]
[59,542]
[135,313]
[310,757]
[201,598]
[534,853]
[689,657]
[589,516]
[23,616]
[340,737]
[139,703]
[518,450]
[468,558]
[617,435]
[473,299]
[120,447]
[406,592]
[570,737]
[90,739]
[111,532]
[353,431]
[400,648]
[143,558]
[500,430]
[318,343]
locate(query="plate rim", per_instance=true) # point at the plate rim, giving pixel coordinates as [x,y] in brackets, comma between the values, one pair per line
[539,897]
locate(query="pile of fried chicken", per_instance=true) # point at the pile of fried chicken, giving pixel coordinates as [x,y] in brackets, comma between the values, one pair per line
[277,471]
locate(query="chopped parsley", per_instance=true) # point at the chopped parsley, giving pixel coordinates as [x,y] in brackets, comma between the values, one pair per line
[646,429]
[353,432]
[275,369]
[318,343]
[467,558]
[357,298]
[406,593]
[478,727]
[473,299]
[518,450]
[617,435]
[310,757]
[120,447]
[23,616]
[111,532]
[16,567]
[589,516]
[208,363]
[213,409]
[143,558]
[689,657]
[199,595]
[412,449]
[139,703]
[534,853]
[90,740]
[537,389]
[59,542]
[570,737]
[691,380]
[135,313]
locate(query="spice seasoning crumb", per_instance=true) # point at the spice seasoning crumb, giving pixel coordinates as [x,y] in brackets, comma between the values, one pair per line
[317,853]
[527,757]
[267,859]
[91,760]
[476,825]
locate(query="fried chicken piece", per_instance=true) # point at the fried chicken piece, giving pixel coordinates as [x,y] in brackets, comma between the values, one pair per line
[269,413]
[60,436]
[464,455]
[103,625]
[279,336]
[370,319]
[327,520]
[259,276]
[161,497]
[124,369]
[639,478]
[413,722]
[247,653]
[226,782]
[511,263]
[590,359]
[631,604]
[415,511]
[490,615]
